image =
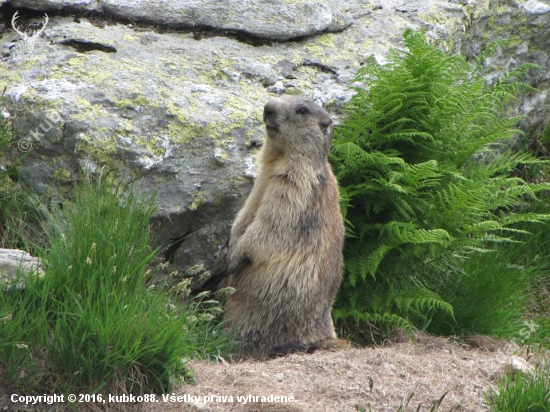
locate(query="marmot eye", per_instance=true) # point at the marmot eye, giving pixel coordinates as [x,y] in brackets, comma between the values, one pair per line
[302,110]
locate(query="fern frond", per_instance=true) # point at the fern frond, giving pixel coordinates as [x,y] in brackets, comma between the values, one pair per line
[425,177]
[420,299]
[386,319]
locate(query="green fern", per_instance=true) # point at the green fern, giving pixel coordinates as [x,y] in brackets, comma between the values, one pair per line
[423,178]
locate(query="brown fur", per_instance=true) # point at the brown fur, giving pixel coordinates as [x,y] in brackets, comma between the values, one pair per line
[286,242]
[309,347]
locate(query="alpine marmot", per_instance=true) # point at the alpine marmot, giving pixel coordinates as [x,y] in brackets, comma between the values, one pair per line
[285,252]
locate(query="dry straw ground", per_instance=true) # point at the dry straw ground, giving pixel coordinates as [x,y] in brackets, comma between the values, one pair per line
[380,378]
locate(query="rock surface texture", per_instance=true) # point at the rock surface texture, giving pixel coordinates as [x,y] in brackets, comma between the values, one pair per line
[171,93]
[17,264]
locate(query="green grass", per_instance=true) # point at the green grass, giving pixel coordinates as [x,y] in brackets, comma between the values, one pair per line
[520,393]
[496,293]
[488,294]
[18,209]
[534,256]
[91,325]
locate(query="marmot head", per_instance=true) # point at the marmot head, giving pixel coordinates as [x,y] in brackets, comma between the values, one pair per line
[298,125]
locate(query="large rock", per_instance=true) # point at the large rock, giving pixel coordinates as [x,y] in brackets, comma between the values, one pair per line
[175,98]
[270,19]
[17,265]
[526,27]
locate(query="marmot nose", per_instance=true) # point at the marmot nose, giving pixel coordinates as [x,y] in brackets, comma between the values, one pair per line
[269,109]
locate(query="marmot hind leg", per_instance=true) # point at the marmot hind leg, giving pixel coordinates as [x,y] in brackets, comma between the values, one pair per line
[307,347]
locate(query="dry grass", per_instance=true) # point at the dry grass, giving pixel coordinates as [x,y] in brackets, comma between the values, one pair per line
[382,378]
[339,381]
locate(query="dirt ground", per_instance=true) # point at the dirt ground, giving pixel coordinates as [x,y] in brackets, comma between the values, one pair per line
[369,379]
[381,379]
